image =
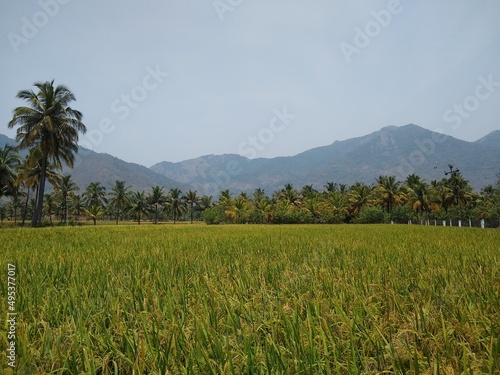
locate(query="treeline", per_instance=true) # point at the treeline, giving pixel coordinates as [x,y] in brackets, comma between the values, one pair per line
[67,204]
[48,129]
[387,199]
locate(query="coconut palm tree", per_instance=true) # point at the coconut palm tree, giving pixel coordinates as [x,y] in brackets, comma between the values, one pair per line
[120,198]
[226,202]
[139,205]
[461,189]
[3,213]
[258,195]
[50,205]
[9,161]
[240,208]
[343,188]
[359,196]
[331,187]
[442,193]
[413,180]
[421,198]
[308,192]
[95,195]
[29,177]
[191,198]
[290,195]
[224,194]
[15,204]
[77,206]
[264,208]
[174,204]
[48,125]
[94,212]
[156,199]
[388,191]
[206,202]
[337,202]
[64,192]
[313,205]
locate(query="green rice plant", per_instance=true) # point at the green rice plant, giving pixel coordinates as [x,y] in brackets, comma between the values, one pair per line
[253,299]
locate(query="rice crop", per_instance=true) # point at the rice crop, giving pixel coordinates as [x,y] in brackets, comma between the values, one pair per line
[245,299]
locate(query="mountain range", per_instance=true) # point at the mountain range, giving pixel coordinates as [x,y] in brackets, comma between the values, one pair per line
[392,150]
[91,166]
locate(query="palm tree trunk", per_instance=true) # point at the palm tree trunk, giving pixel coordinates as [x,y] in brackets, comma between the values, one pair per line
[36,195]
[65,197]
[191,212]
[26,206]
[41,189]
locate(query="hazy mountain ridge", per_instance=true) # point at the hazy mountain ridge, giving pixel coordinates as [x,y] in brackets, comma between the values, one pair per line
[4,140]
[391,150]
[492,140]
[91,166]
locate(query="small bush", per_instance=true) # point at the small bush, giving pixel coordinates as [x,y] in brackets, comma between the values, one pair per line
[371,215]
[401,214]
[214,215]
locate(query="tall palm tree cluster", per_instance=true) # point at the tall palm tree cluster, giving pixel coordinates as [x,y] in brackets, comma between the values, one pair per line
[66,205]
[48,128]
[47,134]
[385,200]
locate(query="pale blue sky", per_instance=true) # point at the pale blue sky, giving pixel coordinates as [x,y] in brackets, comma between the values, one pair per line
[231,69]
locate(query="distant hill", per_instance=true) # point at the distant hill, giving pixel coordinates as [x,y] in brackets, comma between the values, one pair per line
[491,140]
[91,166]
[4,140]
[392,150]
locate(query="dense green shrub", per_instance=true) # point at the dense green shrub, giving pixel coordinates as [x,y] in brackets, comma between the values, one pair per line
[401,214]
[371,215]
[214,215]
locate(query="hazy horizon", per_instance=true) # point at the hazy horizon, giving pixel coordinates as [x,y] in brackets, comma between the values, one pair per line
[270,157]
[175,80]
